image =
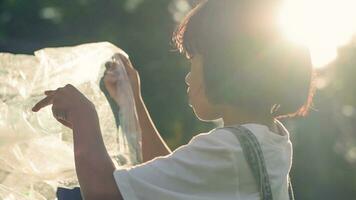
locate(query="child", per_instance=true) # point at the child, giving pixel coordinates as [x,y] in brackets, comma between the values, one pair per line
[242,71]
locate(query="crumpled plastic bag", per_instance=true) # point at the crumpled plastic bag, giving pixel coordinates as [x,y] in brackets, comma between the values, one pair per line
[36,152]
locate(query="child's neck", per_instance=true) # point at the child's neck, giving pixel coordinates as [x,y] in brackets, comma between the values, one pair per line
[232,116]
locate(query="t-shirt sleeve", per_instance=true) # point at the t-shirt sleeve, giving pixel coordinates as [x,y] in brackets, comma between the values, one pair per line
[202,169]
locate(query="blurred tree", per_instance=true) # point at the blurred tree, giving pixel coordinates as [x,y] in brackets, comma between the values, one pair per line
[325,142]
[142,28]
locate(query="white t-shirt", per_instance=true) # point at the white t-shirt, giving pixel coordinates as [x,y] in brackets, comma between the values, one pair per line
[210,167]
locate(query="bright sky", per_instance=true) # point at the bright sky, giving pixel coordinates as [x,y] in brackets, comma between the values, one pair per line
[322,25]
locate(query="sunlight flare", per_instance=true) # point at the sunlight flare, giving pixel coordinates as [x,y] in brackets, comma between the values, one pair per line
[321,25]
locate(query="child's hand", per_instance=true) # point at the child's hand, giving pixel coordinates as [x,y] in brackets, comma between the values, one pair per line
[111,77]
[68,105]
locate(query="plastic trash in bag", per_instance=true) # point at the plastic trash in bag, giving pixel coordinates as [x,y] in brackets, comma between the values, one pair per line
[36,152]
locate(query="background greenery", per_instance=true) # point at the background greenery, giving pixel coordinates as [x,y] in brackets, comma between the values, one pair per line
[324,143]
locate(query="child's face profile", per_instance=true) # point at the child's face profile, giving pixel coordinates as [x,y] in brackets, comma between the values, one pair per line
[198,100]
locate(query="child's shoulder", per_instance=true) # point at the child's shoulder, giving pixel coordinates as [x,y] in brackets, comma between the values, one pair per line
[226,136]
[228,132]
[216,138]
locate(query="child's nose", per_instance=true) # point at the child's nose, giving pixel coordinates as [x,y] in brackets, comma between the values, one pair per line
[187,79]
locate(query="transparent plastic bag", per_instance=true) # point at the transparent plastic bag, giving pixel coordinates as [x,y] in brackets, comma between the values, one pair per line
[129,124]
[36,152]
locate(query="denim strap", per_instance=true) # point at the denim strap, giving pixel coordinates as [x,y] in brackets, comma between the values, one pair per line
[254,157]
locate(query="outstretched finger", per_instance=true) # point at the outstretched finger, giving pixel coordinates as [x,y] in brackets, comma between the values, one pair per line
[50,92]
[43,103]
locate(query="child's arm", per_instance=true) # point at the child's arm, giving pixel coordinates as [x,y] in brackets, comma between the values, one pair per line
[152,143]
[93,165]
[96,180]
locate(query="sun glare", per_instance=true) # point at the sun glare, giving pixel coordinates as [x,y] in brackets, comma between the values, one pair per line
[322,25]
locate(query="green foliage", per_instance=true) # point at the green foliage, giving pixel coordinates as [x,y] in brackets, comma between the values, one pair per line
[325,156]
[142,28]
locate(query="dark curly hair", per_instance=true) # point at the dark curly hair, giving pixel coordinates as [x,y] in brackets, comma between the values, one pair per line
[247,62]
